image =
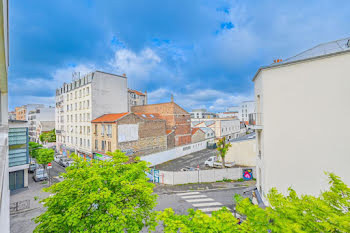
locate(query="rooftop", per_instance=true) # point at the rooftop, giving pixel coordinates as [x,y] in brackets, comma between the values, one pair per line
[136,92]
[110,117]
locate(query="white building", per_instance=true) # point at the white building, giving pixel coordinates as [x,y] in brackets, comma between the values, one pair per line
[37,115]
[246,108]
[228,114]
[202,114]
[136,98]
[297,102]
[223,127]
[82,100]
[4,162]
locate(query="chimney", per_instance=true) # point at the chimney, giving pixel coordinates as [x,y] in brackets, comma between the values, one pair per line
[145,97]
[172,98]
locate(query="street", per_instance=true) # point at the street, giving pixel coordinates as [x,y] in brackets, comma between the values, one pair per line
[191,160]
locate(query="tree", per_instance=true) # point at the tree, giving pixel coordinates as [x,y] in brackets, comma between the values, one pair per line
[100,196]
[34,148]
[222,147]
[45,156]
[48,136]
[292,213]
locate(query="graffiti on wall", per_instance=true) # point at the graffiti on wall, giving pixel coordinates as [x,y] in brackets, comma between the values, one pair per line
[247,174]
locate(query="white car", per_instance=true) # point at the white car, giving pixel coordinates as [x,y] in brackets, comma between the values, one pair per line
[214,162]
[57,158]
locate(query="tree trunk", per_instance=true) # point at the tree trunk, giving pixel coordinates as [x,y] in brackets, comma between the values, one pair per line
[223,162]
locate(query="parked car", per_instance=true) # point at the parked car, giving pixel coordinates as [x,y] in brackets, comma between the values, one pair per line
[187,168]
[33,166]
[213,161]
[63,161]
[57,158]
[69,162]
[40,174]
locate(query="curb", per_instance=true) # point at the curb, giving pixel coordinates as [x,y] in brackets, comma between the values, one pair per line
[204,190]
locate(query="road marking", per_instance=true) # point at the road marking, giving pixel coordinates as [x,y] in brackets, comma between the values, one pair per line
[206,204]
[194,196]
[188,193]
[211,209]
[200,200]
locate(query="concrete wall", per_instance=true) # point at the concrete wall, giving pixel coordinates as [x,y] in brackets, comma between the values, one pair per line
[164,156]
[242,153]
[178,177]
[301,105]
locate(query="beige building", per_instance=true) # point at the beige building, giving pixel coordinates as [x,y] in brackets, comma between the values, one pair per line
[136,98]
[242,152]
[134,133]
[82,100]
[297,102]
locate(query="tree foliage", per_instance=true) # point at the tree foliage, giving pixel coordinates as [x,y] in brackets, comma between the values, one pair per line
[45,156]
[34,149]
[100,196]
[48,136]
[222,148]
[292,213]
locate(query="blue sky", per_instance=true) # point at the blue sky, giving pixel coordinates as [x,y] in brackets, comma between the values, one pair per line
[203,52]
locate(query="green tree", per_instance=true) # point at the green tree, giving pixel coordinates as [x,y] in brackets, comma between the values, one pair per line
[45,156]
[34,149]
[222,148]
[292,213]
[100,196]
[48,136]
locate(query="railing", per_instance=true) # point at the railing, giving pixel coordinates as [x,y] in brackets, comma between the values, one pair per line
[255,118]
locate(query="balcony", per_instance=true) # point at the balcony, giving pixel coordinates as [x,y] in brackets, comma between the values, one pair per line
[256,120]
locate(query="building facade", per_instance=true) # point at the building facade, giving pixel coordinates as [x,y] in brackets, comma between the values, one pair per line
[82,100]
[4,162]
[228,114]
[136,98]
[246,108]
[222,127]
[46,114]
[312,85]
[22,112]
[133,133]
[202,114]
[203,134]
[18,154]
[177,120]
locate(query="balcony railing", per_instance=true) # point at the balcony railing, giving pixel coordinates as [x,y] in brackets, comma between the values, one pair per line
[255,119]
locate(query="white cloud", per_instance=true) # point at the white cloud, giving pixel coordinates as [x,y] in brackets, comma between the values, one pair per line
[135,65]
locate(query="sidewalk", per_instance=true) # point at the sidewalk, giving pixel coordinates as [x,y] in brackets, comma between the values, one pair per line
[163,188]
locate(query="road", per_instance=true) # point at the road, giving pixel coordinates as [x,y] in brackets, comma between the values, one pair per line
[191,160]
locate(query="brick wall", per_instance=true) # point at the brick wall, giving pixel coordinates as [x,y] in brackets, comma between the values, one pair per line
[176,119]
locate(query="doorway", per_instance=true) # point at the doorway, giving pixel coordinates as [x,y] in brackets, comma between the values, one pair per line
[16,180]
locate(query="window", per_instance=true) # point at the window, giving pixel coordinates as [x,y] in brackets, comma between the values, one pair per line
[76,141]
[87,91]
[76,106]
[88,117]
[80,94]
[96,145]
[67,107]
[75,94]
[81,129]
[87,104]
[109,131]
[103,145]
[88,129]
[88,142]
[81,141]
[109,146]
[84,129]
[84,142]
[80,117]
[102,130]
[71,96]
[76,118]
[95,129]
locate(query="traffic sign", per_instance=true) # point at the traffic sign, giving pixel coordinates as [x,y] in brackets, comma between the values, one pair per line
[49,166]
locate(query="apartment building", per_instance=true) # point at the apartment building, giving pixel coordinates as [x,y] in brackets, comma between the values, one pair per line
[12,115]
[136,98]
[45,114]
[22,112]
[4,173]
[82,100]
[134,133]
[177,120]
[246,108]
[222,127]
[202,114]
[18,154]
[296,102]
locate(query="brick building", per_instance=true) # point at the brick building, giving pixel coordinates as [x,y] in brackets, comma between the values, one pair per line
[136,133]
[176,118]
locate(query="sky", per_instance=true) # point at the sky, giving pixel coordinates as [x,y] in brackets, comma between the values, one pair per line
[205,53]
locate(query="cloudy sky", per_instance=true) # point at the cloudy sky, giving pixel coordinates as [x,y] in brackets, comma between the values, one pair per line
[203,52]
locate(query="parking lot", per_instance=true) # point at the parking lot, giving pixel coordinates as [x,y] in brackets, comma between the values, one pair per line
[191,160]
